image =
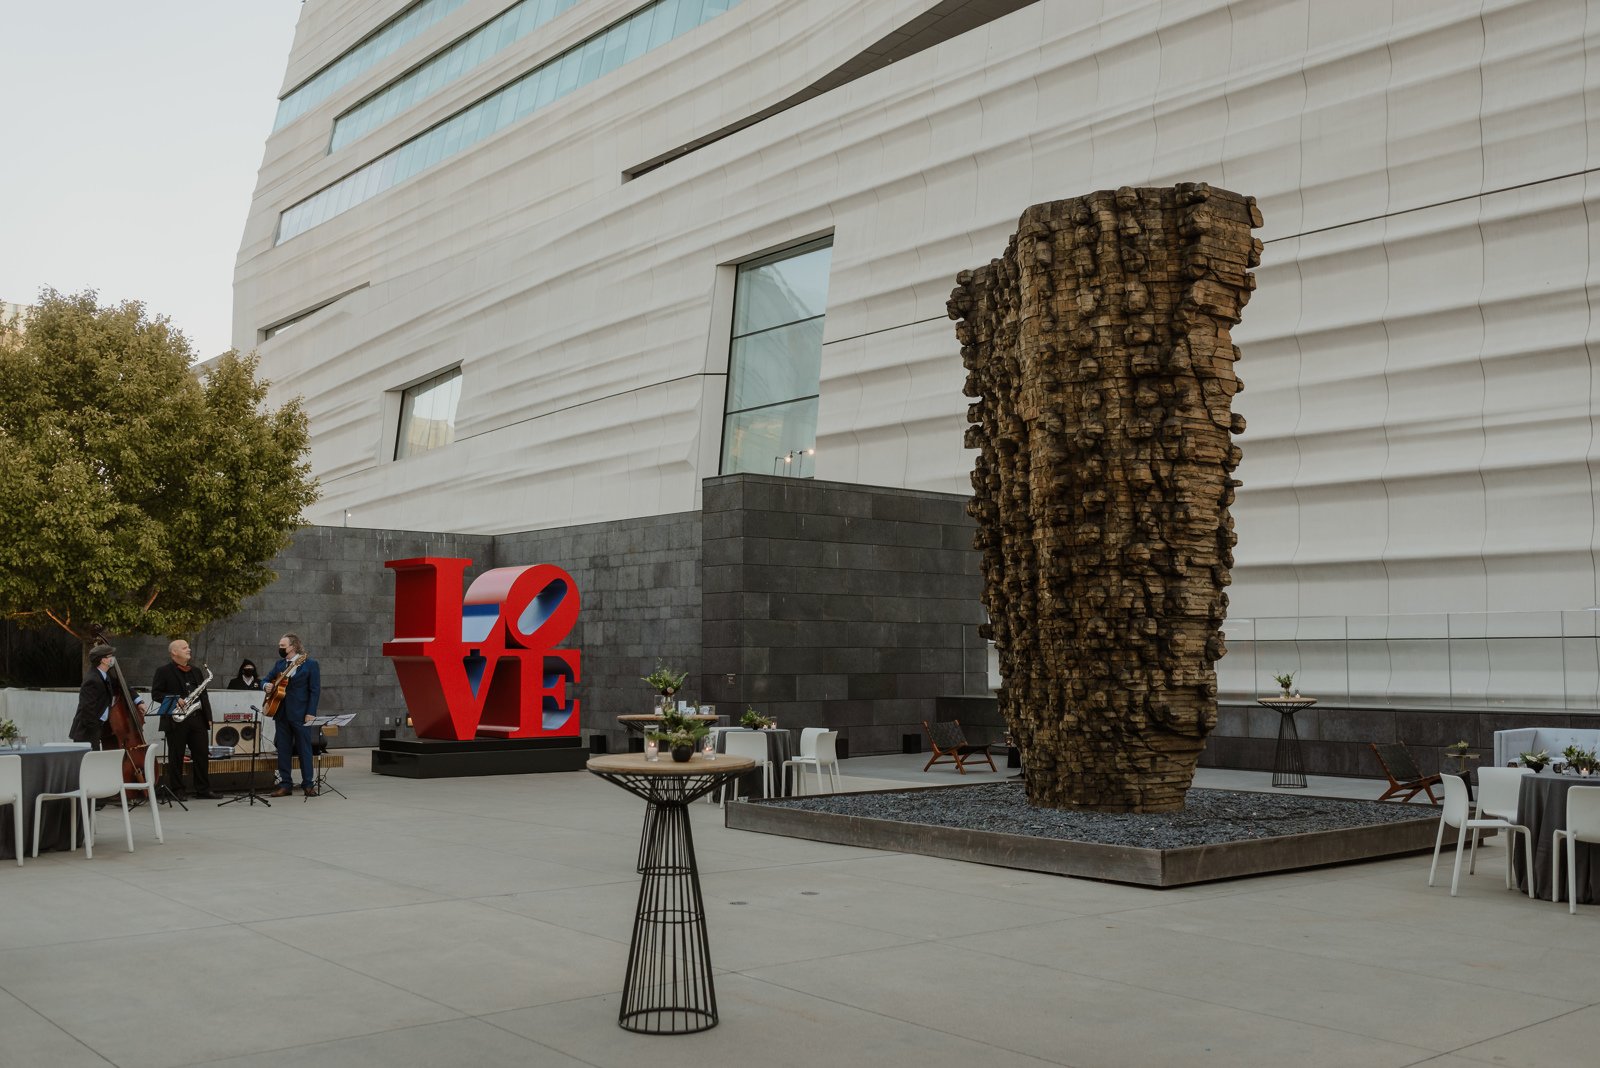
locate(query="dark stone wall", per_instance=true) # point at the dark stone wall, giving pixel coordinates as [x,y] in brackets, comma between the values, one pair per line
[334,592]
[639,581]
[838,605]
[825,604]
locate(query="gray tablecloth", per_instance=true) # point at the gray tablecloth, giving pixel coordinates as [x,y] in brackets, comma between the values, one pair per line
[43,771]
[1542,808]
[779,749]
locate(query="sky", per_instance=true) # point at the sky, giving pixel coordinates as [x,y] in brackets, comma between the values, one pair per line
[130,136]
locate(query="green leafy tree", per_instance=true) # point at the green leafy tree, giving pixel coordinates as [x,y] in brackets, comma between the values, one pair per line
[135,493]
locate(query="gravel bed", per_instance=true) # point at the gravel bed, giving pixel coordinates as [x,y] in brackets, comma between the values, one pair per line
[1209,818]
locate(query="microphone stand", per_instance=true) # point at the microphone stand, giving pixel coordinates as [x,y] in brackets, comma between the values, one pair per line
[250,794]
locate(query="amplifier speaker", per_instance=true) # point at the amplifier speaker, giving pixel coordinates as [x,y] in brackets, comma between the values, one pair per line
[232,735]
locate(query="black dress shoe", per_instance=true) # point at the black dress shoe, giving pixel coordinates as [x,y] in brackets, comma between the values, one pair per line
[209,795]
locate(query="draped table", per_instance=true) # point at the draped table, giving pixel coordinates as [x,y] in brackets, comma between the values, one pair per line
[780,747]
[668,988]
[44,770]
[1542,808]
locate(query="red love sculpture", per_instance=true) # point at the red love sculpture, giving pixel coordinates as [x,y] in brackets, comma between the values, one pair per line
[486,664]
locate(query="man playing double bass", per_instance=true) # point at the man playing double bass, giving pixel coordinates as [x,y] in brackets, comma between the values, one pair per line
[92,722]
[178,679]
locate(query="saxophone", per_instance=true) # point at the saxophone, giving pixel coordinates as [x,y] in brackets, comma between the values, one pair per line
[169,705]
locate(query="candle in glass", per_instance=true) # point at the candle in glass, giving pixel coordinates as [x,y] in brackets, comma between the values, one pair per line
[652,749]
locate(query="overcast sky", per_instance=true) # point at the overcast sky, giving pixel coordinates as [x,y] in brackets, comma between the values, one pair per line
[130,135]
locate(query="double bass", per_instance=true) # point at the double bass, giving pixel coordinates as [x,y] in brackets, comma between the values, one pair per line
[127,723]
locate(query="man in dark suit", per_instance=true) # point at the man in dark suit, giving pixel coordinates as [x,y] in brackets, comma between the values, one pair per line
[92,722]
[293,731]
[193,733]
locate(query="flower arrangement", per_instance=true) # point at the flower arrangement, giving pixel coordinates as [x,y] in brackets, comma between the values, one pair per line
[1284,681]
[1536,761]
[1457,755]
[754,720]
[9,733]
[1583,761]
[664,680]
[679,734]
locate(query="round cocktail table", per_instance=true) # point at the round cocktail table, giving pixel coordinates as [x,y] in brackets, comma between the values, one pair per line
[1288,766]
[667,989]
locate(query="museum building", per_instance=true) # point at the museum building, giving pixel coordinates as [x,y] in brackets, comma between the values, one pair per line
[656,290]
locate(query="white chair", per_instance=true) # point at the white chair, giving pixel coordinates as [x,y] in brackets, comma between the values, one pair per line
[100,775]
[153,753]
[1498,791]
[1583,825]
[824,756]
[751,744]
[1456,813]
[11,794]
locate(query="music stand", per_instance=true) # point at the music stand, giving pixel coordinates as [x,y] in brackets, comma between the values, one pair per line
[164,794]
[317,754]
[250,794]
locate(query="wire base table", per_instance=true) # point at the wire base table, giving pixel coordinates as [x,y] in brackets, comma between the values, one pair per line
[1288,766]
[667,988]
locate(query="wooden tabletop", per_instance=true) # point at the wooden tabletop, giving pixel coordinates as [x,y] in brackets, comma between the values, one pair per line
[656,717]
[1287,702]
[636,764]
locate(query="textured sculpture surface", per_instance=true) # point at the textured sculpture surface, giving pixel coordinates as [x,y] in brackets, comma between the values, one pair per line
[1099,354]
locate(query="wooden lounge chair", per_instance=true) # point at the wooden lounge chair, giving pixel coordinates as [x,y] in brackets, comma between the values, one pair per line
[1404,778]
[950,746]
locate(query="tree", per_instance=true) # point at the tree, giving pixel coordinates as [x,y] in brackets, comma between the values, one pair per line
[135,493]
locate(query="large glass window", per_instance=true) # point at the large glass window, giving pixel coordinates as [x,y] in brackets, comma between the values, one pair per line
[428,414]
[499,33]
[775,362]
[563,74]
[376,46]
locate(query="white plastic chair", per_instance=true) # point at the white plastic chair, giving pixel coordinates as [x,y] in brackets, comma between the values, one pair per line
[11,794]
[153,753]
[1498,793]
[824,756]
[1456,814]
[751,744]
[100,775]
[1583,825]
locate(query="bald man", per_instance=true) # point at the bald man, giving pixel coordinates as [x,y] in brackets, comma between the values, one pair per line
[178,679]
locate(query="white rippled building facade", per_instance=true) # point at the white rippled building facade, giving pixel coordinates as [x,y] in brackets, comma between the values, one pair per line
[497,248]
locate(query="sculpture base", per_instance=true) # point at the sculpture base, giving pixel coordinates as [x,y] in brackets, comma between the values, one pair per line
[1370,830]
[429,758]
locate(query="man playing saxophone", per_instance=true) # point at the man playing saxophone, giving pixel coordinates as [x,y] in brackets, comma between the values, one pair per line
[193,732]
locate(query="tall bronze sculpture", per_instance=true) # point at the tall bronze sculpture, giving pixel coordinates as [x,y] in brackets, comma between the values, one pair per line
[1099,354]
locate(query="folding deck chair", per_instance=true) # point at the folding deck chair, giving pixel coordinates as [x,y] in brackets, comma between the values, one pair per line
[950,746]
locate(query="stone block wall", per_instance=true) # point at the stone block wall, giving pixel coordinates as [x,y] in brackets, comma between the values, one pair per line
[838,605]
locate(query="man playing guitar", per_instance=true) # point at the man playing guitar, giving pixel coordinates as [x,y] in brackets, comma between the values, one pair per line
[293,687]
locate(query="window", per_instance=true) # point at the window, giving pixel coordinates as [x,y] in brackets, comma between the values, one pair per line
[584,62]
[498,33]
[775,362]
[428,414]
[376,46]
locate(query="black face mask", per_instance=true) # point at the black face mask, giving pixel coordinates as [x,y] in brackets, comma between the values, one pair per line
[283,652]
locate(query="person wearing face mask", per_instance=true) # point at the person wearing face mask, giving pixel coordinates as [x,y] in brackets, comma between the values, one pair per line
[92,723]
[178,679]
[293,733]
[246,679]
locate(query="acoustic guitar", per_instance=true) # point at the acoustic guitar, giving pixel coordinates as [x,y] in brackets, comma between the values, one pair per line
[280,688]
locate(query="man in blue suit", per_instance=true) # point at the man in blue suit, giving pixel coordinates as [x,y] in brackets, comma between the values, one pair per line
[293,733]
